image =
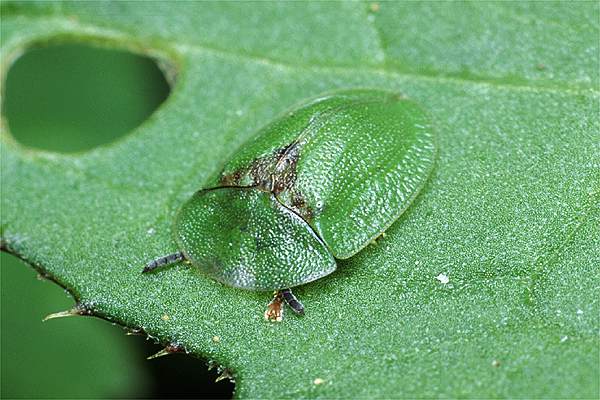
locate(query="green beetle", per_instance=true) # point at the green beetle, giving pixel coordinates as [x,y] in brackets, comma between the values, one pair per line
[317,184]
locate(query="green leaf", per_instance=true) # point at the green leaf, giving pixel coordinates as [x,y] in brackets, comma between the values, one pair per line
[68,344]
[510,219]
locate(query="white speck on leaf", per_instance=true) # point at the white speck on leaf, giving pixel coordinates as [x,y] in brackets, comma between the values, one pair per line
[443,278]
[564,339]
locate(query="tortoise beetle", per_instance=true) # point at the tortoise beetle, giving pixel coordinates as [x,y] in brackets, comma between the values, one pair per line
[319,183]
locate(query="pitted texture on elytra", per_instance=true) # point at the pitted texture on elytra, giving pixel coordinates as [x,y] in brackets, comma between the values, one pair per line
[349,163]
[245,238]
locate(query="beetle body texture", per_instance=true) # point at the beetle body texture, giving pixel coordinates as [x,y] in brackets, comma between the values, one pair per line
[320,182]
[240,236]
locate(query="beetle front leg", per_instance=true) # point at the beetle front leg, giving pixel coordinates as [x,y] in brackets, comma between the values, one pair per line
[166,260]
[274,310]
[292,301]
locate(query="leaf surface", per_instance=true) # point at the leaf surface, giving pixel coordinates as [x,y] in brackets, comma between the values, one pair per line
[510,217]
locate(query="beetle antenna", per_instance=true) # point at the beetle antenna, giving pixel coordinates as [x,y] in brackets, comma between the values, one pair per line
[166,260]
[292,301]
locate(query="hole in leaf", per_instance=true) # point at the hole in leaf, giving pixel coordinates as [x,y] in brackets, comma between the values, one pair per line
[74,97]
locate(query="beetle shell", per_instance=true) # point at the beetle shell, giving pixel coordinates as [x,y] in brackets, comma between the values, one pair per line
[320,182]
[245,238]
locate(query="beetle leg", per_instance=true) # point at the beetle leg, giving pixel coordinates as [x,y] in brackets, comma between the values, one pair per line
[159,262]
[292,301]
[274,310]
